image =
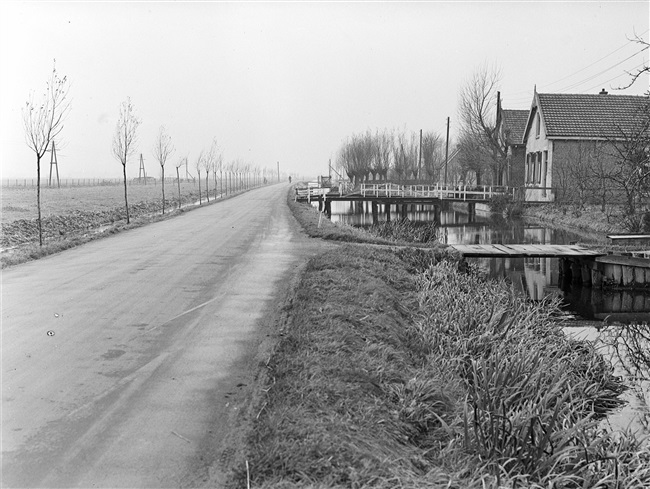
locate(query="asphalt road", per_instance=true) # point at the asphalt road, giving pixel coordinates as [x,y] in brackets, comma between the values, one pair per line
[119,357]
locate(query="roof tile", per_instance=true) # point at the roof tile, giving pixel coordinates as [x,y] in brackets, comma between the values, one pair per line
[590,116]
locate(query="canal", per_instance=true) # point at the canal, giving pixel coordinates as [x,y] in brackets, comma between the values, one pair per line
[588,310]
[538,278]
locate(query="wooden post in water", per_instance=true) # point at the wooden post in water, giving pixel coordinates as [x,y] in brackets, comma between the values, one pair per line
[387,212]
[375,213]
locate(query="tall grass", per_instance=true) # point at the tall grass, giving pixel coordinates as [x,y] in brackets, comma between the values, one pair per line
[391,377]
[533,395]
[406,230]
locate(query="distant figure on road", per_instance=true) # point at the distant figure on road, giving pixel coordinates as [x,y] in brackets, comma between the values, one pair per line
[289,179]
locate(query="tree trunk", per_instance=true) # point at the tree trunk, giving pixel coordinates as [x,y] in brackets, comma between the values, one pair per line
[199,178]
[163,186]
[178,180]
[126,200]
[38,199]
[207,185]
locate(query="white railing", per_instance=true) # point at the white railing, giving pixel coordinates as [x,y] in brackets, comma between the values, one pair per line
[393,190]
[462,192]
[311,192]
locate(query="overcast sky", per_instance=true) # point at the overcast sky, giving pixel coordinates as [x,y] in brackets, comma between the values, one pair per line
[287,82]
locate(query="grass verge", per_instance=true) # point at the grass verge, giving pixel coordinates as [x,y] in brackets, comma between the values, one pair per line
[394,373]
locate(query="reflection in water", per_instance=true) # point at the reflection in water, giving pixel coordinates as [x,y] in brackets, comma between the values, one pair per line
[536,277]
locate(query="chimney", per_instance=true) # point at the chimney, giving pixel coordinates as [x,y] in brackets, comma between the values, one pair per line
[602,92]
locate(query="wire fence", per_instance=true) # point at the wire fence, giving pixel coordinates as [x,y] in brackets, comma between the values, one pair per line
[86,182]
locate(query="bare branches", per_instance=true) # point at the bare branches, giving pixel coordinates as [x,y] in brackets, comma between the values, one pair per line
[635,75]
[477,113]
[125,136]
[124,141]
[163,147]
[43,120]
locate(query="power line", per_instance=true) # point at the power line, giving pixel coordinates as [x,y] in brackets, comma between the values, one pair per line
[614,78]
[572,86]
[599,73]
[588,66]
[597,61]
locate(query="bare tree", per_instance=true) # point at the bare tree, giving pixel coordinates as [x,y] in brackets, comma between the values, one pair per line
[630,169]
[477,114]
[162,150]
[199,165]
[43,121]
[124,141]
[432,155]
[210,165]
[182,161]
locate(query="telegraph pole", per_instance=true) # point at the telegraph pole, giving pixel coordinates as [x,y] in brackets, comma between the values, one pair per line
[278,171]
[447,151]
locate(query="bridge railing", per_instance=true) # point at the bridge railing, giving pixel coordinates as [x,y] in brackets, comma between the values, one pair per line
[311,192]
[462,192]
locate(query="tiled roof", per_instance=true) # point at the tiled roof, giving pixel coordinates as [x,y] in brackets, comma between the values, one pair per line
[589,116]
[514,124]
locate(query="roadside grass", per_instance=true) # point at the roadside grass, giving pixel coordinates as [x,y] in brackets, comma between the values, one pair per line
[398,368]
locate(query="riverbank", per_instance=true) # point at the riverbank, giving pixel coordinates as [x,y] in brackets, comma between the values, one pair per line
[394,367]
[591,219]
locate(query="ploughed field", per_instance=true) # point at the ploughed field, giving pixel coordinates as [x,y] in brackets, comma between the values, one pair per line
[73,211]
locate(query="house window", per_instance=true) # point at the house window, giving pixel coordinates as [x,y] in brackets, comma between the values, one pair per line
[527,168]
[537,125]
[533,176]
[539,168]
[544,170]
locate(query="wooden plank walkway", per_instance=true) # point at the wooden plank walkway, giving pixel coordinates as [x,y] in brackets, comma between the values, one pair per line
[523,250]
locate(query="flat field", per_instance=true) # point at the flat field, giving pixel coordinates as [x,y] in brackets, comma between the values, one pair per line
[20,202]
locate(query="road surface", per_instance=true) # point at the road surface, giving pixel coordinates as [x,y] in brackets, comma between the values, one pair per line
[120,358]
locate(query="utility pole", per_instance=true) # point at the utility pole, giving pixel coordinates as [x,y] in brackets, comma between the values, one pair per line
[447,151]
[54,162]
[278,171]
[420,156]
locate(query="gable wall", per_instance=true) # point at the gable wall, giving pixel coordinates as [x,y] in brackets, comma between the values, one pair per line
[538,163]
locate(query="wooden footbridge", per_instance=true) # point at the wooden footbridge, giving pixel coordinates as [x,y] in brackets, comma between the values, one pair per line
[578,265]
[523,250]
[391,193]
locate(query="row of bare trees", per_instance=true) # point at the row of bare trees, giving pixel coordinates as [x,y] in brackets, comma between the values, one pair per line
[391,154]
[43,121]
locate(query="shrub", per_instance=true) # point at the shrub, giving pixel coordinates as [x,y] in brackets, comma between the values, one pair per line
[504,205]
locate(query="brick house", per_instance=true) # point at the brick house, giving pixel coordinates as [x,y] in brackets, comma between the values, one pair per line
[511,125]
[561,129]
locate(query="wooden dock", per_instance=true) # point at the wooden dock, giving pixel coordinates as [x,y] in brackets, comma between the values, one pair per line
[523,250]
